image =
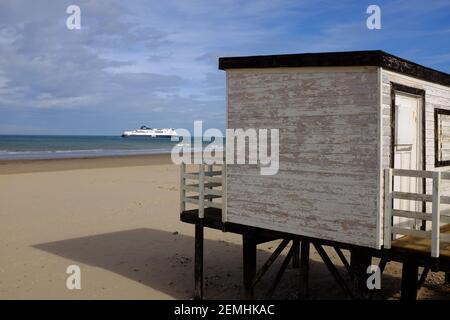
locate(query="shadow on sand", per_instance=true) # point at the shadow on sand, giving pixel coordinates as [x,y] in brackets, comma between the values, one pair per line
[164,262]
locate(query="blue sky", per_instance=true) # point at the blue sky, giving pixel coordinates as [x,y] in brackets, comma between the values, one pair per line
[155,62]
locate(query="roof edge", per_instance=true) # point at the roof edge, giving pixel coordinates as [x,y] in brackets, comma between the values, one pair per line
[376,58]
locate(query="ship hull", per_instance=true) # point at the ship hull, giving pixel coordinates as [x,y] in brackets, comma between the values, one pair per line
[146,132]
[147,136]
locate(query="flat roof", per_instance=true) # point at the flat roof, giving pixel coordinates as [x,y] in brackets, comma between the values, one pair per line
[376,58]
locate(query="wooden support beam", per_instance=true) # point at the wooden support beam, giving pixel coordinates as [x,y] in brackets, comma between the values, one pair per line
[383,263]
[423,277]
[249,264]
[334,272]
[344,261]
[304,269]
[280,273]
[198,261]
[410,273]
[270,261]
[296,253]
[360,261]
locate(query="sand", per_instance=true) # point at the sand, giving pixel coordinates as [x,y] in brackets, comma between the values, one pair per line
[118,220]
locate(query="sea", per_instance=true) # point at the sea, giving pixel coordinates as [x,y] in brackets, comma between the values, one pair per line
[22,147]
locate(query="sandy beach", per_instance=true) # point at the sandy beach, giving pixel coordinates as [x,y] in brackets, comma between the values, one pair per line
[118,220]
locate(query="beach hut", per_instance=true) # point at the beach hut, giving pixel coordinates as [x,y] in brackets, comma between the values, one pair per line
[343,118]
[364,145]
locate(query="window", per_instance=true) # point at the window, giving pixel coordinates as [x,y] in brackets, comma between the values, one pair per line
[441,137]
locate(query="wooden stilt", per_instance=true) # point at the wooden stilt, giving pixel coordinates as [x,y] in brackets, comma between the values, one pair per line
[304,269]
[296,253]
[249,264]
[360,261]
[410,273]
[198,263]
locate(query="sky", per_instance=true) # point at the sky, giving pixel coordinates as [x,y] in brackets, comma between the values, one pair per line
[154,63]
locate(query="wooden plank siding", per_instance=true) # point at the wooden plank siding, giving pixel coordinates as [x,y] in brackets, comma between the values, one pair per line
[328,184]
[436,96]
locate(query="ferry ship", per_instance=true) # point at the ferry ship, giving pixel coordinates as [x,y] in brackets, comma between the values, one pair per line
[150,133]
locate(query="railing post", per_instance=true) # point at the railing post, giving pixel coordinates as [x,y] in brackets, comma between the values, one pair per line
[182,184]
[224,191]
[210,169]
[201,191]
[387,208]
[436,215]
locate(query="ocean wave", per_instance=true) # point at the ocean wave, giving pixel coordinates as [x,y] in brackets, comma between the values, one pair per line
[72,151]
[46,151]
[81,153]
[58,154]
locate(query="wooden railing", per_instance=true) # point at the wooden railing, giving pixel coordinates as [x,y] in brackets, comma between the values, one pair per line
[202,185]
[437,216]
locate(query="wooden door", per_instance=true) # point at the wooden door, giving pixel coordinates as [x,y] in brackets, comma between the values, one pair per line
[407,152]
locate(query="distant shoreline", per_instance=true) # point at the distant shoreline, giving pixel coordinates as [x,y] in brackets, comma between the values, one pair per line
[63,164]
[77,154]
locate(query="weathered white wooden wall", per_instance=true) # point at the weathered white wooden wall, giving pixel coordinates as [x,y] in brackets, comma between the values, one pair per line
[436,96]
[328,183]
